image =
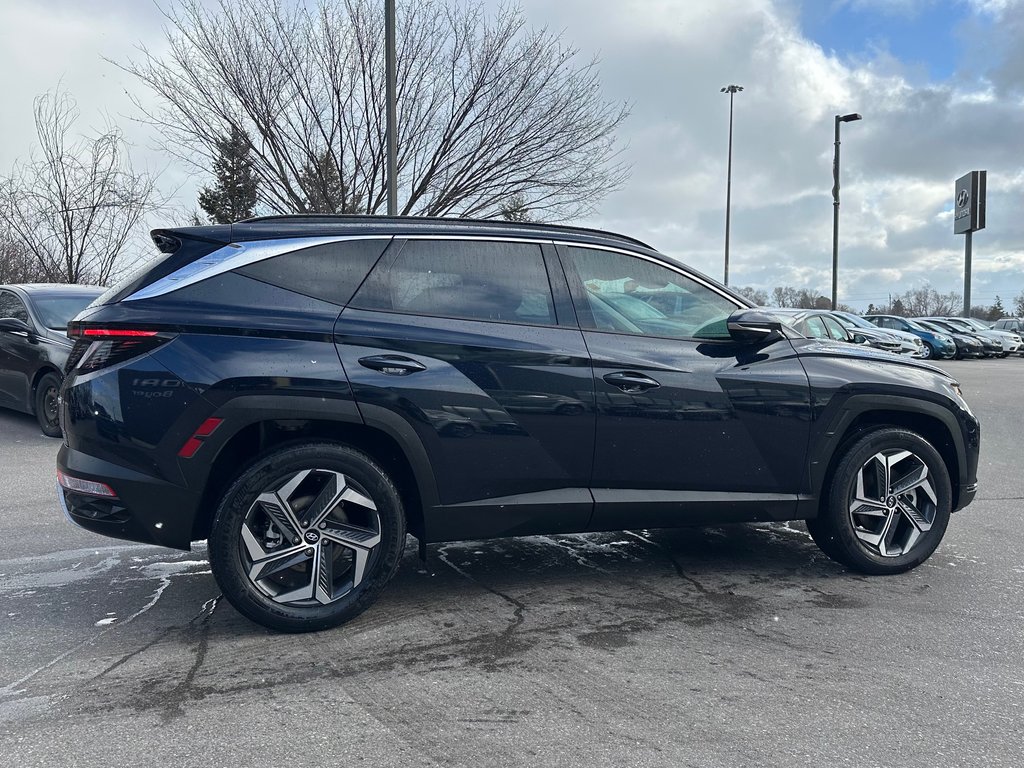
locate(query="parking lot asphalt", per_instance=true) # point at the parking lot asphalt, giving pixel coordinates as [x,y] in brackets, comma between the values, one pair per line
[732,646]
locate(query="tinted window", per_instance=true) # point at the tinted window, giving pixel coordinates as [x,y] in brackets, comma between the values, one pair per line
[11,306]
[329,272]
[474,280]
[627,294]
[815,327]
[834,328]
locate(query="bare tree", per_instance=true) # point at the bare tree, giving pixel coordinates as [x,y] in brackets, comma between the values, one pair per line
[754,295]
[74,207]
[489,110]
[17,265]
[926,301]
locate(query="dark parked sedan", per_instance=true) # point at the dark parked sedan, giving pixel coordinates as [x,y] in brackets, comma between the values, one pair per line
[34,345]
[967,345]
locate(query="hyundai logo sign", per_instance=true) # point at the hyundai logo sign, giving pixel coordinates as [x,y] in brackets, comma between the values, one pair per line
[969,194]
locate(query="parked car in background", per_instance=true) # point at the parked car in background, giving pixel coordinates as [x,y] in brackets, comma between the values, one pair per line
[937,344]
[1011,341]
[990,347]
[1012,324]
[302,391]
[34,345]
[967,345]
[908,343]
[820,324]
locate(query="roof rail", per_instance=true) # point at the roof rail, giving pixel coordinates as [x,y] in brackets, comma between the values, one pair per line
[329,218]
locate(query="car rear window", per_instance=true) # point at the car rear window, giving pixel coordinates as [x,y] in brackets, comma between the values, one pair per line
[329,272]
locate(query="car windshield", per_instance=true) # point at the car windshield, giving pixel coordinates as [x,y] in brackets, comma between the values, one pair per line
[917,326]
[960,325]
[55,312]
[852,321]
[927,326]
[975,323]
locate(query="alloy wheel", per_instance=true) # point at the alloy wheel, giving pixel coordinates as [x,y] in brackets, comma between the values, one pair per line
[311,540]
[893,503]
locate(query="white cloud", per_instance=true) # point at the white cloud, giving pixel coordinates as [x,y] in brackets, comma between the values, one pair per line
[669,58]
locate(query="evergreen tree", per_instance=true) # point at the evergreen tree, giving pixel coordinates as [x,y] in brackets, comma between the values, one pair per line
[235,191]
[324,189]
[1018,304]
[516,209]
[996,310]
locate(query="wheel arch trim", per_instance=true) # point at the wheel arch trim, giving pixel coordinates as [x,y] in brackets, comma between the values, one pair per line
[832,437]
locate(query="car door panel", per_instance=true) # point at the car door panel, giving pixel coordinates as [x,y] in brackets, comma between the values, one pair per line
[722,432]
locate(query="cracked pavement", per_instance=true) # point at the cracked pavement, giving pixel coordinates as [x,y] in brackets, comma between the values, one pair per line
[729,646]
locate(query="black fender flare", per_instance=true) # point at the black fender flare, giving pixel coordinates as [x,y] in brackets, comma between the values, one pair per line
[248,409]
[823,448]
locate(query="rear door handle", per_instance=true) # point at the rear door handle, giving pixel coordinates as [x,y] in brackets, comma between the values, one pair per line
[392,365]
[630,381]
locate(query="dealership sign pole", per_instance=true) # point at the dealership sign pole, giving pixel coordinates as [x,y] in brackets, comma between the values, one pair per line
[968,218]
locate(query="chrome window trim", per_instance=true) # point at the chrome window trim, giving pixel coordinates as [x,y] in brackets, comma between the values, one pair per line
[659,262]
[235,255]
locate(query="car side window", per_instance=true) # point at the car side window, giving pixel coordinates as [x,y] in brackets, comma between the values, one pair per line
[465,279]
[816,328]
[12,306]
[834,328]
[628,294]
[329,272]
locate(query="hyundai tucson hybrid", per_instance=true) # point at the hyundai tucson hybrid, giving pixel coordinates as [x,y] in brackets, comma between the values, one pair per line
[303,391]
[34,345]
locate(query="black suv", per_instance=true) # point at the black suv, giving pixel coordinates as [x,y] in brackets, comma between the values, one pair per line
[302,391]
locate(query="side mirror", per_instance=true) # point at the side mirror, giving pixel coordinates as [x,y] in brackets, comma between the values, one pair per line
[860,338]
[14,325]
[752,326]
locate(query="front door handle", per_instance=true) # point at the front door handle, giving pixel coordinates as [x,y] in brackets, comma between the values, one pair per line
[630,381]
[392,365]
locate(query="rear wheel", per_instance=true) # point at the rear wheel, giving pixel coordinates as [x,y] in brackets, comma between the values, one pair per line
[308,537]
[888,503]
[47,392]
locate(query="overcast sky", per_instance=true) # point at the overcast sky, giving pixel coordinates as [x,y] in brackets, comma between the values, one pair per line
[940,84]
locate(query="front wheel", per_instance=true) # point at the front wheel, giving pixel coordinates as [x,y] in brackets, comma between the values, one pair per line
[888,503]
[47,392]
[307,538]
[928,352]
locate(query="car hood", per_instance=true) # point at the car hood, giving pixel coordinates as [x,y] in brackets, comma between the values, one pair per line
[824,348]
[905,335]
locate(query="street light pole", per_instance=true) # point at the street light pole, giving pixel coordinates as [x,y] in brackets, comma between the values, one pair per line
[732,90]
[392,116]
[835,207]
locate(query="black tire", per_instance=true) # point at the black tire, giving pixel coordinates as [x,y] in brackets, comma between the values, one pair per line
[230,557]
[929,352]
[834,529]
[47,391]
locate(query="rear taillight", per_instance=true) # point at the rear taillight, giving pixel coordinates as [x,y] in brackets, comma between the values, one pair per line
[101,347]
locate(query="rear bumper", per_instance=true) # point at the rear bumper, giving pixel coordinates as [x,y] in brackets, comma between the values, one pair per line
[146,509]
[967,494]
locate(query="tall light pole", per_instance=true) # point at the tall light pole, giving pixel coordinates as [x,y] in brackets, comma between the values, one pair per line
[835,207]
[732,90]
[392,111]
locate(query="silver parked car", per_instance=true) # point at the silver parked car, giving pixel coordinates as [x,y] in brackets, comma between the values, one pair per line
[908,343]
